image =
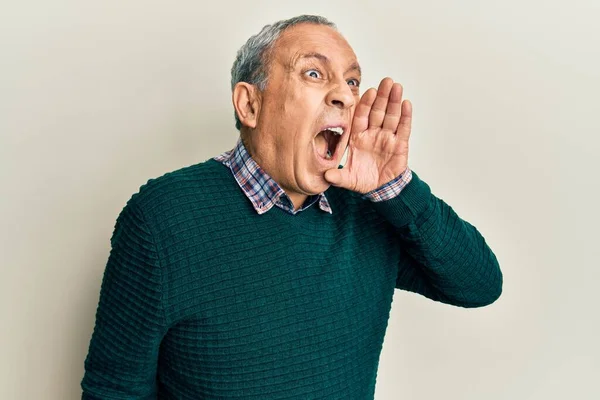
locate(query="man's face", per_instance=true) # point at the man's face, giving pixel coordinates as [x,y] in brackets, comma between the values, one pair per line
[312,85]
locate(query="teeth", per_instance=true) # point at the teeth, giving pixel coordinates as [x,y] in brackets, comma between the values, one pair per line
[338,130]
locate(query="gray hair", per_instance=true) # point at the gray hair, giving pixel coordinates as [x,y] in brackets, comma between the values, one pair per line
[252,60]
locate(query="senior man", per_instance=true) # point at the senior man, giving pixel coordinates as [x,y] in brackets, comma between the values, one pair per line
[268,272]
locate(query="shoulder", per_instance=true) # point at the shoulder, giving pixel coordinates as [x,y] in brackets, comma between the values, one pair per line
[177,189]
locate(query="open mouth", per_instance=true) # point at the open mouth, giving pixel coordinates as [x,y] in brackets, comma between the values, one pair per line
[327,140]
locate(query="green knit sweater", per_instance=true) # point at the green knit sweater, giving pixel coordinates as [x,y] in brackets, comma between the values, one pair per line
[203,298]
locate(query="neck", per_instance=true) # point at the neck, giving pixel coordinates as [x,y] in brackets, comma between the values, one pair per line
[297,198]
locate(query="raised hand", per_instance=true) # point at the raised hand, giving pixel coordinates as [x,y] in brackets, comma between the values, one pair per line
[378,143]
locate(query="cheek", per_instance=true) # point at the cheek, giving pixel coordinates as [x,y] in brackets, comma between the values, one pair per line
[300,111]
[294,102]
[303,98]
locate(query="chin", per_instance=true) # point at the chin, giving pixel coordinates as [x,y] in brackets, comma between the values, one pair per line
[316,185]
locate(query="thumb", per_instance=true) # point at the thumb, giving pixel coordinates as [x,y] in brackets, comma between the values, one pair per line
[337,177]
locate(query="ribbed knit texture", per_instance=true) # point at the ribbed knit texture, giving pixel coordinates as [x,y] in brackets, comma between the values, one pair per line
[202,298]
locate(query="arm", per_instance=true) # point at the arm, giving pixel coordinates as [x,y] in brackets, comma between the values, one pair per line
[130,318]
[443,257]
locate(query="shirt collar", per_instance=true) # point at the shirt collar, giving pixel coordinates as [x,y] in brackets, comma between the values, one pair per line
[262,190]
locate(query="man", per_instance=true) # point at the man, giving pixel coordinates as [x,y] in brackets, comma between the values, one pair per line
[268,272]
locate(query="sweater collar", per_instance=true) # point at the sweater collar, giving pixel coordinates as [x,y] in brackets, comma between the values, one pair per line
[262,190]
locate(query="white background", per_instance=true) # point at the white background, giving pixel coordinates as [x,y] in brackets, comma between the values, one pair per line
[98,97]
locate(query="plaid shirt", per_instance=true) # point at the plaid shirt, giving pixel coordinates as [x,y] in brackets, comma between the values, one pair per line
[264,193]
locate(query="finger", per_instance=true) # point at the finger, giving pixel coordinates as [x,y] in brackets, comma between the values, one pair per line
[338,177]
[405,124]
[380,105]
[360,121]
[394,109]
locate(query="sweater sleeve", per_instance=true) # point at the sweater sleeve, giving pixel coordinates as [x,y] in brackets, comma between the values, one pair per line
[443,257]
[130,318]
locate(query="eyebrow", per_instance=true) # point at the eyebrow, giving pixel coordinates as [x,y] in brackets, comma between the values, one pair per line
[353,67]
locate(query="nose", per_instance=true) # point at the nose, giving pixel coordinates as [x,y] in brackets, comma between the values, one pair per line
[340,96]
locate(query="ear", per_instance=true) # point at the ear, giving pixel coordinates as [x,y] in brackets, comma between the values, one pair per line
[246,101]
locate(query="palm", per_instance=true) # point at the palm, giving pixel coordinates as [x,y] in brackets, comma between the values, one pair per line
[378,143]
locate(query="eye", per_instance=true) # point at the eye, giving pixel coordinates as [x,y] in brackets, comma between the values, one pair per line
[354,82]
[313,73]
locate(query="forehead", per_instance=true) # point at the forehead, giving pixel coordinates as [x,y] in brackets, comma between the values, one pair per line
[312,38]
